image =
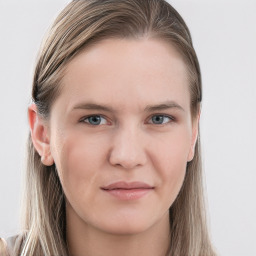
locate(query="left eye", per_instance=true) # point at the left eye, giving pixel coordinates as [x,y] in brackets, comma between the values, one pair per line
[160,119]
[94,120]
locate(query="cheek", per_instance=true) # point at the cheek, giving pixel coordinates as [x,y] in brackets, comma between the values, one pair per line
[171,150]
[174,166]
[78,161]
[171,163]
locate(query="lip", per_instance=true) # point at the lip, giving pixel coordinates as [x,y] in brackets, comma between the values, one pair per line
[127,185]
[128,190]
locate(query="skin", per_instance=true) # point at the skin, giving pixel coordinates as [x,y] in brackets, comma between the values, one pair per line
[130,77]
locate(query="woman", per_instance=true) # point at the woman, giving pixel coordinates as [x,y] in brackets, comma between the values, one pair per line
[114,154]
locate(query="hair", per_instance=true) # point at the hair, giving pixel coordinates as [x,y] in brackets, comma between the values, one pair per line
[80,24]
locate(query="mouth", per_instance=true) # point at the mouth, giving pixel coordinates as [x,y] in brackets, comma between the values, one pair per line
[128,191]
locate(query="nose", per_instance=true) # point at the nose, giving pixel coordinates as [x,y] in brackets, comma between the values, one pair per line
[128,149]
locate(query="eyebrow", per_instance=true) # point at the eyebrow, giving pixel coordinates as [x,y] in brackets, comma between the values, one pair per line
[148,108]
[94,106]
[163,106]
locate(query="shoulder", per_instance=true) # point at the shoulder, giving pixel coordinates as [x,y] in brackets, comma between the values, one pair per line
[11,245]
[3,247]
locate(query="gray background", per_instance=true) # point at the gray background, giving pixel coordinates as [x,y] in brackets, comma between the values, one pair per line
[224,35]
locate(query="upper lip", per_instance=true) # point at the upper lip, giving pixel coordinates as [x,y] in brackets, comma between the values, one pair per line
[127,185]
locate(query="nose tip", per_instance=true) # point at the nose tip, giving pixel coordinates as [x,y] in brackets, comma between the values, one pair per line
[127,151]
[125,163]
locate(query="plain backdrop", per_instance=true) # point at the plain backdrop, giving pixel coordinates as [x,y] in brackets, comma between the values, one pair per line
[224,36]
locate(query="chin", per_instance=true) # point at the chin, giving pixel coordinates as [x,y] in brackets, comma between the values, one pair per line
[126,226]
[126,230]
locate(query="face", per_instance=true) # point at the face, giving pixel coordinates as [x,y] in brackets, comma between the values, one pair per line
[121,134]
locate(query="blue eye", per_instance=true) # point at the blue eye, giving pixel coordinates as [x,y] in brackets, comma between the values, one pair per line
[95,120]
[160,119]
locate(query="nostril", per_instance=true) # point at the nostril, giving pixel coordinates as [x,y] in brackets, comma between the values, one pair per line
[127,162]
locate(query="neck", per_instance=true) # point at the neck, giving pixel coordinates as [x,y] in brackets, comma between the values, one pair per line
[85,240]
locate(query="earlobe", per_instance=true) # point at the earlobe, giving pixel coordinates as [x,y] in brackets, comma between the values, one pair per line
[39,135]
[194,138]
[192,151]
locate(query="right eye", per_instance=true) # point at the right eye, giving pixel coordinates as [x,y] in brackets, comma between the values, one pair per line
[94,120]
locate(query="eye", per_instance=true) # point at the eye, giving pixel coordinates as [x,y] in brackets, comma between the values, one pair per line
[94,120]
[160,119]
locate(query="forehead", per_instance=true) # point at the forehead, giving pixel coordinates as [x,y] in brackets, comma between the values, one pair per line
[123,71]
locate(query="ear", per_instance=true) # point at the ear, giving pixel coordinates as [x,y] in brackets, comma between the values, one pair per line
[40,135]
[195,129]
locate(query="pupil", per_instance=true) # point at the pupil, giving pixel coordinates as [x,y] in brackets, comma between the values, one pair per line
[95,120]
[158,119]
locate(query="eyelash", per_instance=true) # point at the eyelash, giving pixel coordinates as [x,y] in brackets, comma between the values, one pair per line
[83,120]
[171,119]
[163,116]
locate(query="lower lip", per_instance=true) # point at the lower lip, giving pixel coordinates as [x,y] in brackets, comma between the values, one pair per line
[129,194]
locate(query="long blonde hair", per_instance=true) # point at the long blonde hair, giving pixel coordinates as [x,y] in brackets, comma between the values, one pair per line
[82,23]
